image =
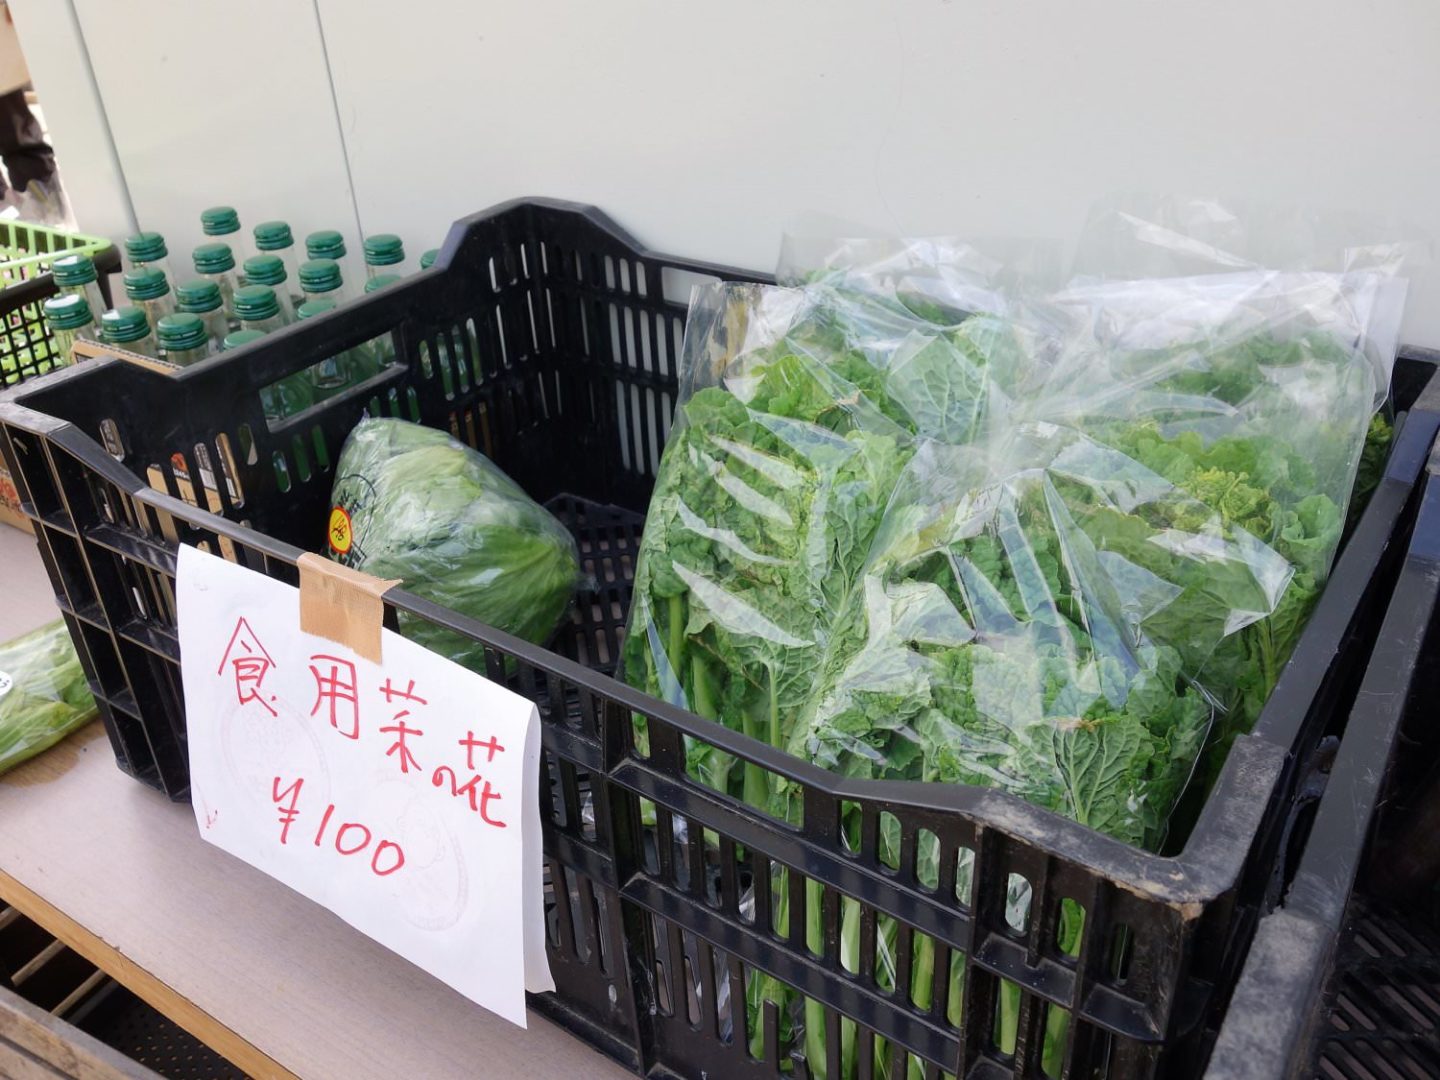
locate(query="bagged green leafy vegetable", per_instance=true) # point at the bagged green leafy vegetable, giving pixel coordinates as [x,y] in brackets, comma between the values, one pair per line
[1022,623]
[1114,508]
[775,475]
[43,693]
[1254,393]
[413,503]
[798,410]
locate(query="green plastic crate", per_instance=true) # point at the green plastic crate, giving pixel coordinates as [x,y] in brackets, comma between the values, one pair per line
[26,349]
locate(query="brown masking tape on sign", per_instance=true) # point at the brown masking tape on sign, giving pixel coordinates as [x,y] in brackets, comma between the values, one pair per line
[341,604]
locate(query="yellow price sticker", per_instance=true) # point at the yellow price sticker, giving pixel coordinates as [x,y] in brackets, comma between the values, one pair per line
[340,534]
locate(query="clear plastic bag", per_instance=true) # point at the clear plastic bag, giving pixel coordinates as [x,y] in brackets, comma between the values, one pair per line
[1253,392]
[774,477]
[1111,512]
[1023,622]
[43,693]
[412,503]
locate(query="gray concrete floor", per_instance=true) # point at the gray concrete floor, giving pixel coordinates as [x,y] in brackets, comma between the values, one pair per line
[26,598]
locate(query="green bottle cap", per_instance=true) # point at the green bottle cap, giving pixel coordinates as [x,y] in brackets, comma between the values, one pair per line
[124,325]
[273,236]
[383,249]
[73,270]
[265,270]
[241,337]
[220,221]
[256,302]
[183,331]
[326,244]
[380,281]
[319,276]
[427,259]
[213,258]
[69,312]
[197,297]
[311,308]
[145,247]
[146,284]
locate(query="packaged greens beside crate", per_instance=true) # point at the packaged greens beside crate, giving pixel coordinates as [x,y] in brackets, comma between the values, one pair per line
[43,695]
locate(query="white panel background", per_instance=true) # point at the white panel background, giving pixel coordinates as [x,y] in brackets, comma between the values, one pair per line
[219,103]
[55,54]
[705,127]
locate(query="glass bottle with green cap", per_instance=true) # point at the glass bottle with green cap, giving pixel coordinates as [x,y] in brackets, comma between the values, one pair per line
[147,249]
[427,258]
[69,317]
[222,223]
[127,328]
[150,292]
[384,254]
[258,308]
[216,262]
[275,238]
[329,244]
[202,298]
[75,275]
[373,356]
[287,397]
[269,270]
[184,338]
[321,278]
[334,373]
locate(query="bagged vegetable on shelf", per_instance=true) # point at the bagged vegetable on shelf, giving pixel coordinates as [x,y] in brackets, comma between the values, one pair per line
[413,503]
[43,693]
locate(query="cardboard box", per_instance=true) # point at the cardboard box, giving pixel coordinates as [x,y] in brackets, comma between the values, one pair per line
[10,512]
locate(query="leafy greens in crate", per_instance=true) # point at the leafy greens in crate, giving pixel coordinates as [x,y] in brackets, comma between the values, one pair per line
[909,530]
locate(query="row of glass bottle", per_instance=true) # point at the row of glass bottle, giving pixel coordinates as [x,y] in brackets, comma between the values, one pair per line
[220,310]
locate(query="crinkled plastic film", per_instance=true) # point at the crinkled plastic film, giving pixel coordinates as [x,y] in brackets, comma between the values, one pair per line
[1100,520]
[43,693]
[1252,392]
[774,478]
[1024,621]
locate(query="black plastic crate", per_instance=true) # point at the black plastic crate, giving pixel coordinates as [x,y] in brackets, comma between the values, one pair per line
[548,337]
[1343,979]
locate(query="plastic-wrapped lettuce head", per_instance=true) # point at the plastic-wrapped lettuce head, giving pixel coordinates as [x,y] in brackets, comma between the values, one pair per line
[413,503]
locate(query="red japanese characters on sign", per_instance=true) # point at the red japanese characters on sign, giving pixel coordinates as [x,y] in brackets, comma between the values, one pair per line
[250,663]
[384,786]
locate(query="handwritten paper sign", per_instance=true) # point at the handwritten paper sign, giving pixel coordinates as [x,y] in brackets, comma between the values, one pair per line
[401,795]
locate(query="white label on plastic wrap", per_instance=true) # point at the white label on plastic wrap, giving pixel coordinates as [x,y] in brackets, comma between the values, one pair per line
[403,795]
[6,682]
